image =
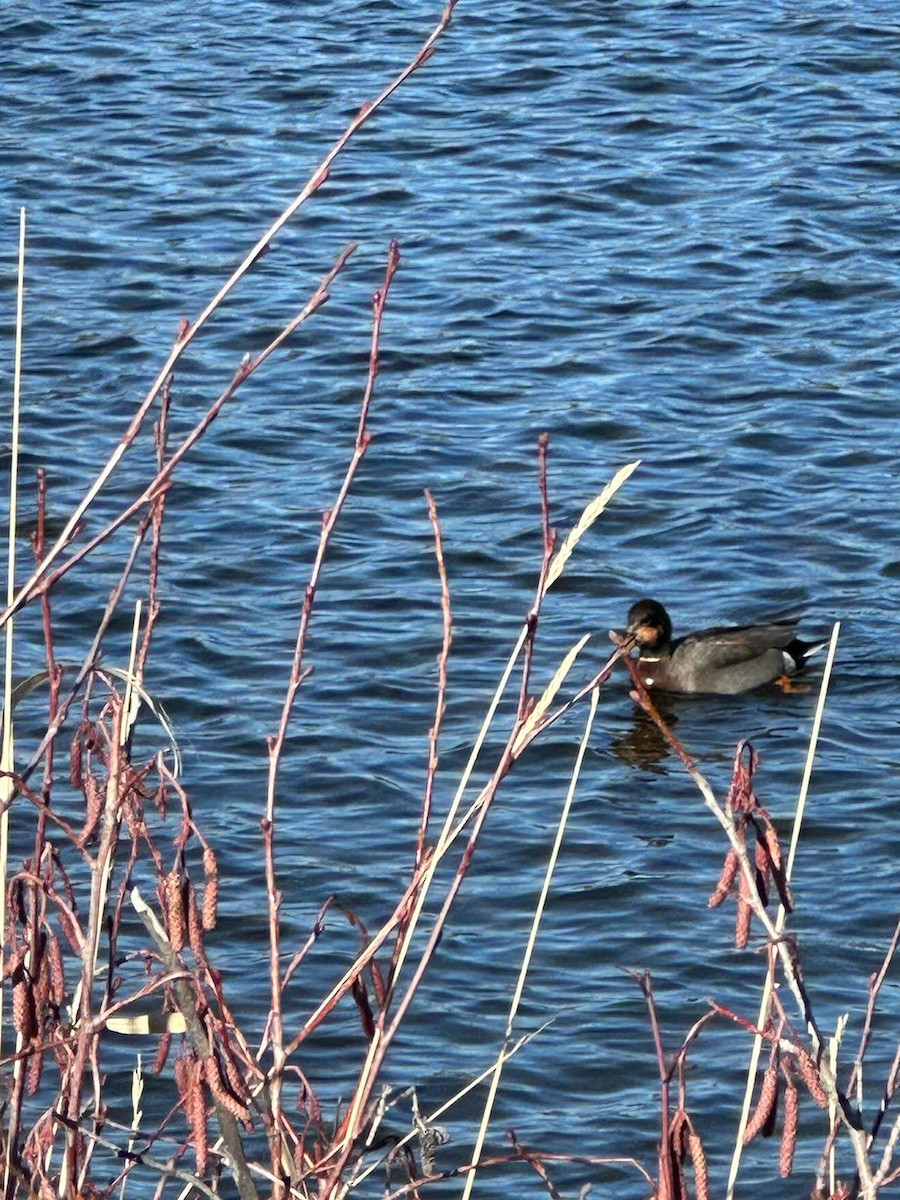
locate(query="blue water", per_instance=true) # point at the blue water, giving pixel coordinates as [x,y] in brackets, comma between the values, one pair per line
[662,231]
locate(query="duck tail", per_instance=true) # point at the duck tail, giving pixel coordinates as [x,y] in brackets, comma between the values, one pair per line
[798,652]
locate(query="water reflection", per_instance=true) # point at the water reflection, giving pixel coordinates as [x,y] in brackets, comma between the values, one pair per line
[642,745]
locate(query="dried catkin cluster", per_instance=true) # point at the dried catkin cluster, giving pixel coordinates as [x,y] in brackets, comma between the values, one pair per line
[685,1142]
[779,1083]
[754,872]
[211,888]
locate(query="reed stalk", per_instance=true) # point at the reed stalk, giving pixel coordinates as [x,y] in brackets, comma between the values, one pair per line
[781,916]
[7,749]
[530,944]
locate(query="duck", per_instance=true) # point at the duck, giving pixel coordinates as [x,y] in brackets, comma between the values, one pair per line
[723,660]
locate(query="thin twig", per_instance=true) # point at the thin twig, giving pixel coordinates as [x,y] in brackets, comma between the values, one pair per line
[163,476]
[189,331]
[276,743]
[532,940]
[443,658]
[781,917]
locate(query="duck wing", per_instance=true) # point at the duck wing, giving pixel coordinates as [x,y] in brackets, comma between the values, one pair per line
[724,646]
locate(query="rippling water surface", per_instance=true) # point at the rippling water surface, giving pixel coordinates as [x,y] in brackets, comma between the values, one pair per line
[664,231]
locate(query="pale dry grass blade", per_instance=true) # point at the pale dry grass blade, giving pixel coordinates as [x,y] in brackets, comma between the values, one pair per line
[529,948]
[137,1092]
[6,748]
[549,695]
[781,917]
[585,521]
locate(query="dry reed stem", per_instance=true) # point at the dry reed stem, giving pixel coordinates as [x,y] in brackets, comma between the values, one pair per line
[448,833]
[667,1166]
[446,838]
[199,1040]
[834,1044]
[789,1129]
[385,1032]
[781,917]
[825,1078]
[187,334]
[549,541]
[7,757]
[530,944]
[501,1160]
[276,743]
[601,677]
[884,1175]
[875,985]
[155,490]
[533,721]
[443,659]
[90,659]
[765,1105]
[406,927]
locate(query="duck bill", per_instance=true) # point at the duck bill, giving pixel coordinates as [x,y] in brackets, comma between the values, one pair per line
[623,639]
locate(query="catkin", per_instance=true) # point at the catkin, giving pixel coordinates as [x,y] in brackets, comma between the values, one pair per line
[744,913]
[768,1094]
[15,960]
[42,984]
[678,1135]
[211,890]
[174,909]
[94,799]
[235,1079]
[33,1074]
[230,1103]
[789,1131]
[162,1053]
[726,879]
[811,1078]
[75,762]
[23,1010]
[698,1159]
[70,928]
[191,1089]
[57,971]
[195,936]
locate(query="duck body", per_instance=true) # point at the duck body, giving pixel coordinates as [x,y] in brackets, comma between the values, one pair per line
[724,660]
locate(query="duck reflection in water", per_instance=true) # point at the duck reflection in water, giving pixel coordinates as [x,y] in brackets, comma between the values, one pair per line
[642,744]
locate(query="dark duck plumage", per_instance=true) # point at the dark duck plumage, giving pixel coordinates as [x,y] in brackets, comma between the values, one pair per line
[723,660]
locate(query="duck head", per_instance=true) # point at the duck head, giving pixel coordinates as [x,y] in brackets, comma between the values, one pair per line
[650,626]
